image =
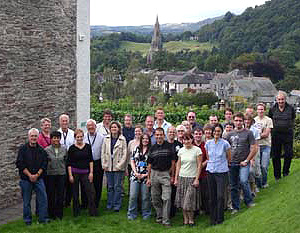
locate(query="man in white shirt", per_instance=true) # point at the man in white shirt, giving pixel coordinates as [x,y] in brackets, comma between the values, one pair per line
[67,140]
[95,139]
[67,134]
[264,124]
[160,121]
[103,127]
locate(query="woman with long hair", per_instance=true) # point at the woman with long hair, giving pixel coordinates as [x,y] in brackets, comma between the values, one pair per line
[138,179]
[114,158]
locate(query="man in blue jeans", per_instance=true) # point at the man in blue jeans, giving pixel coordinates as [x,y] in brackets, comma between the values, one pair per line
[32,164]
[243,149]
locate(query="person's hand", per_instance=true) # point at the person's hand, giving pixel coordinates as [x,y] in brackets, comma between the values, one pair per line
[33,178]
[176,182]
[252,162]
[71,179]
[91,177]
[196,183]
[172,180]
[243,163]
[148,183]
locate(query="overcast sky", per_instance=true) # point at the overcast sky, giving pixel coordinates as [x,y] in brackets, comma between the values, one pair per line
[140,12]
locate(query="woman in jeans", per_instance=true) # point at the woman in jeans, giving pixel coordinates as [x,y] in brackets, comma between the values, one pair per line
[218,154]
[80,169]
[138,179]
[114,158]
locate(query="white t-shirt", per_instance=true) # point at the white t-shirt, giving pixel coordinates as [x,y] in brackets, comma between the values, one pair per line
[261,124]
[188,158]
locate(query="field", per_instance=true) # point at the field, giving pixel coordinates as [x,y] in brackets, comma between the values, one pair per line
[277,210]
[172,46]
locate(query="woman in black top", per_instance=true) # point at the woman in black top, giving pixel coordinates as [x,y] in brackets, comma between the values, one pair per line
[80,169]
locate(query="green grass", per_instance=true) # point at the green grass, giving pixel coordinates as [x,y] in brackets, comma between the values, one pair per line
[172,46]
[277,210]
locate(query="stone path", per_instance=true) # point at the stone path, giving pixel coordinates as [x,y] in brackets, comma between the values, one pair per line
[14,212]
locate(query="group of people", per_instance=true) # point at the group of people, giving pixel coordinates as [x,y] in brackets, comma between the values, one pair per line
[199,169]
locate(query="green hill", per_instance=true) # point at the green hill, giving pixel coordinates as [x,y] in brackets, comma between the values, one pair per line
[272,28]
[277,211]
[172,46]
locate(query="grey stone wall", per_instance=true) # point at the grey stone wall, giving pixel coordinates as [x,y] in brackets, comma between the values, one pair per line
[37,76]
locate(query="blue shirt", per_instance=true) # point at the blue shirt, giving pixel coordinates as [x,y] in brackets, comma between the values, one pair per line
[165,125]
[217,162]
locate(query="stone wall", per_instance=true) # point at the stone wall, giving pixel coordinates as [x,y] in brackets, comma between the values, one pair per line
[37,76]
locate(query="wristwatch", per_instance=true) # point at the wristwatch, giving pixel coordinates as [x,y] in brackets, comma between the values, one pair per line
[246,161]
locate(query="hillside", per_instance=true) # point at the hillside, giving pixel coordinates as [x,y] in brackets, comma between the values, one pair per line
[277,211]
[270,28]
[172,46]
[99,30]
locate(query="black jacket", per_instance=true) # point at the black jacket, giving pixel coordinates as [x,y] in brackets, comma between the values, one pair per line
[282,121]
[32,158]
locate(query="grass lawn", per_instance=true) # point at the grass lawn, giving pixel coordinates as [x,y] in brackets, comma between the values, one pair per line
[277,210]
[172,46]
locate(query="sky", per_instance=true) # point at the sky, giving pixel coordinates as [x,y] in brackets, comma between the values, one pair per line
[140,12]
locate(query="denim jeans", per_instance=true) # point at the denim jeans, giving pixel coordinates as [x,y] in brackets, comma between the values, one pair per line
[239,178]
[264,164]
[114,189]
[41,196]
[135,189]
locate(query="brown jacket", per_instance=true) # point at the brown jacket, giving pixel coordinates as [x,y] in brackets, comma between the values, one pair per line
[117,162]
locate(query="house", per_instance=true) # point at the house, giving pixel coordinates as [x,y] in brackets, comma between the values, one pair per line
[176,82]
[238,84]
[254,89]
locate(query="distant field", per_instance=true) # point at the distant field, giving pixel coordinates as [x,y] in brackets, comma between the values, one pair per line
[298,64]
[172,46]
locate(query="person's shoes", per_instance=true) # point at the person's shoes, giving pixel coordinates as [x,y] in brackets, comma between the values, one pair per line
[28,223]
[192,224]
[116,210]
[265,186]
[253,194]
[285,174]
[250,205]
[158,220]
[277,179]
[131,218]
[146,218]
[234,211]
[167,225]
[256,190]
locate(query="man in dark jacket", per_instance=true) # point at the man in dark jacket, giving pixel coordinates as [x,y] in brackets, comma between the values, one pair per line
[32,164]
[283,116]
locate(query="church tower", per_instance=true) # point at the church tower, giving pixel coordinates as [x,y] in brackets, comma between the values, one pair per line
[156,43]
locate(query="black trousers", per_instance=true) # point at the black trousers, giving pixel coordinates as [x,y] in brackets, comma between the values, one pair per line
[204,195]
[98,183]
[88,189]
[216,184]
[68,190]
[279,141]
[173,209]
[55,187]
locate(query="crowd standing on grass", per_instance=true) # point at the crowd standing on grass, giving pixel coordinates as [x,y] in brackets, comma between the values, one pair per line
[202,170]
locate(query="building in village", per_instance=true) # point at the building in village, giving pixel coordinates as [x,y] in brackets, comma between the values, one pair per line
[236,84]
[176,82]
[156,43]
[44,72]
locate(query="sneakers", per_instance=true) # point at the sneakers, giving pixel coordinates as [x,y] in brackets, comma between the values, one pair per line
[256,190]
[234,211]
[158,220]
[250,205]
[265,186]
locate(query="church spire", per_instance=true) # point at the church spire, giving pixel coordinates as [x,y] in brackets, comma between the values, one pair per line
[156,43]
